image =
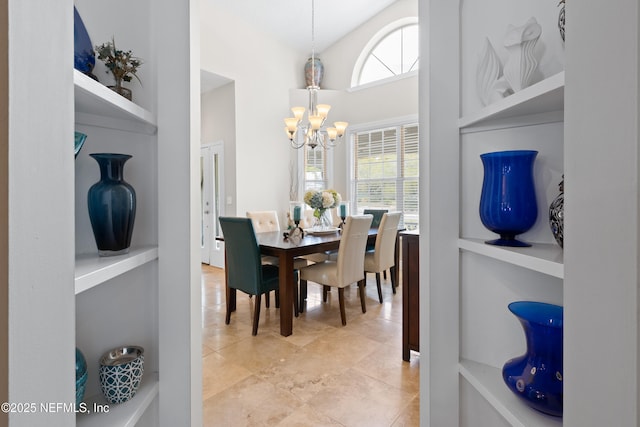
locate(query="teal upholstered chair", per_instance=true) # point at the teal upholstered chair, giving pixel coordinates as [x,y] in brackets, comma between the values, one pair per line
[377,216]
[245,271]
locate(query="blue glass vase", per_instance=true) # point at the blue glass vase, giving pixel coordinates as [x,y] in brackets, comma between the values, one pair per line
[112,205]
[536,376]
[508,204]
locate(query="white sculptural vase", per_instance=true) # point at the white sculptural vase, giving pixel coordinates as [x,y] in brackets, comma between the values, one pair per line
[490,84]
[521,64]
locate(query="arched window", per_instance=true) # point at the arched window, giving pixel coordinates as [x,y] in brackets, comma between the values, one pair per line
[392,52]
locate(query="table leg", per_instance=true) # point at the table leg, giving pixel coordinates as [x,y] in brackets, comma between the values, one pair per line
[396,264]
[286,294]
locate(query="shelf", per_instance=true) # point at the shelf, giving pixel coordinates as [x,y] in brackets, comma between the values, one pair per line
[542,102]
[487,380]
[92,270]
[124,414]
[545,258]
[97,105]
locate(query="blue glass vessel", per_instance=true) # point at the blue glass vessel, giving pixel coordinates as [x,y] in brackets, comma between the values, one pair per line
[508,204]
[536,376]
[112,205]
[84,58]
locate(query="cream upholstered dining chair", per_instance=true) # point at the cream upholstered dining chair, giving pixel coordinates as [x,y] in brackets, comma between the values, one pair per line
[264,221]
[348,268]
[307,222]
[382,257]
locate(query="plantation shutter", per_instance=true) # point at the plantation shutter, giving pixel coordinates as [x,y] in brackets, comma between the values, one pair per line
[410,172]
[375,167]
[385,171]
[315,168]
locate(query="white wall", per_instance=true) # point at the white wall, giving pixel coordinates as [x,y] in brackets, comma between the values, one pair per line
[219,123]
[394,99]
[340,58]
[263,71]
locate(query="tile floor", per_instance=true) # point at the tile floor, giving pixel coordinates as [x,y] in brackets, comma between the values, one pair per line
[324,374]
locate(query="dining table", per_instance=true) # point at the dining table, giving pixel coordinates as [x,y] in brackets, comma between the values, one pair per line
[287,248]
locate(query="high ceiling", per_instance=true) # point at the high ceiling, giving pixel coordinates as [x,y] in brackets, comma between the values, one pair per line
[290,20]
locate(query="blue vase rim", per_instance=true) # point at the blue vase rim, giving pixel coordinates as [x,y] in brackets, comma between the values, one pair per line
[110,156]
[509,153]
[540,313]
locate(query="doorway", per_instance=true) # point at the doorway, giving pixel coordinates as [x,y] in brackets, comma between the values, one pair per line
[212,198]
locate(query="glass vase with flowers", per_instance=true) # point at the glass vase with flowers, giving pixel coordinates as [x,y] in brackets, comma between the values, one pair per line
[320,201]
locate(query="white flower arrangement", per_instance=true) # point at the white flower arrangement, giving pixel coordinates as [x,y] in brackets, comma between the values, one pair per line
[320,201]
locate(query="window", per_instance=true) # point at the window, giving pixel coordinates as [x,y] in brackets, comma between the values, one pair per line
[385,171]
[392,52]
[315,168]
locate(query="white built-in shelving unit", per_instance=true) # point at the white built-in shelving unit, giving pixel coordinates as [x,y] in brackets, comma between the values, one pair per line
[126,414]
[62,294]
[581,129]
[95,104]
[126,299]
[470,330]
[536,105]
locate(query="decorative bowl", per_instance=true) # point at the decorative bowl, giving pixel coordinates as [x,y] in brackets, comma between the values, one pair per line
[79,139]
[121,371]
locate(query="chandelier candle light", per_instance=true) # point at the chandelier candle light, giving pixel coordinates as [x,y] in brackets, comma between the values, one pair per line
[314,133]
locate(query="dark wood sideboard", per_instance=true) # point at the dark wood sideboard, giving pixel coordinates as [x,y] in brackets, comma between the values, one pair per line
[410,292]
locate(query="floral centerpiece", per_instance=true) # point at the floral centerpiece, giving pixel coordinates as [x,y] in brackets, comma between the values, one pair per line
[320,201]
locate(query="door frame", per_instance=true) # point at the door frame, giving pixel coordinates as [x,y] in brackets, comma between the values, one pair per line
[214,254]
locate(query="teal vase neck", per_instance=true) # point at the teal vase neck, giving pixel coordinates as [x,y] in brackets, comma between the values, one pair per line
[111,165]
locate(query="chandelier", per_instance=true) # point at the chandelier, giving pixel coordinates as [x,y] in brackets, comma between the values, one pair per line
[313,129]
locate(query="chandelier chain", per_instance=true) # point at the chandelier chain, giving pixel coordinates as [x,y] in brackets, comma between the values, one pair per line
[313,132]
[313,38]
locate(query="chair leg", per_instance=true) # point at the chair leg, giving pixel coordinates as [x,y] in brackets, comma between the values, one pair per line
[256,316]
[267,299]
[227,318]
[296,310]
[392,271]
[343,314]
[363,301]
[303,295]
[325,292]
[384,274]
[379,287]
[277,298]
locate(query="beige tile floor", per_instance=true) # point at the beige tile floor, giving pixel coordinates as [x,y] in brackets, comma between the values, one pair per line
[324,374]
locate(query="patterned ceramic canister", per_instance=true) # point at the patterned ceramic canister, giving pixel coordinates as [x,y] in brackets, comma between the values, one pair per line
[121,372]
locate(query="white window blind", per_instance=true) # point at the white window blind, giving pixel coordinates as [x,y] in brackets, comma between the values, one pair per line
[385,171]
[315,168]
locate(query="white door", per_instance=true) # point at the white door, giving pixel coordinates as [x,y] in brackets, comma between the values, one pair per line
[211,193]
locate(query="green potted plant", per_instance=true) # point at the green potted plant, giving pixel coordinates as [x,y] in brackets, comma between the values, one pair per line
[122,64]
